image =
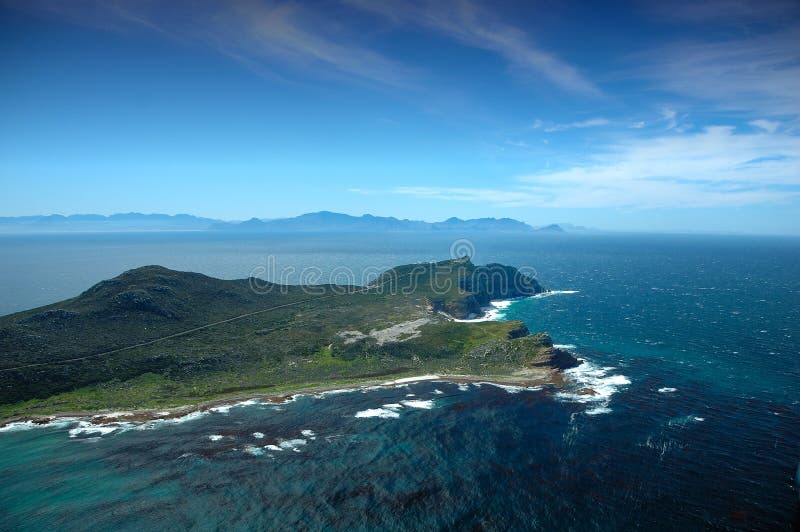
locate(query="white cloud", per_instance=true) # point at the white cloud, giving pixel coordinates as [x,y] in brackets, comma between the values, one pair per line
[714,167]
[501,198]
[669,116]
[769,126]
[591,122]
[469,23]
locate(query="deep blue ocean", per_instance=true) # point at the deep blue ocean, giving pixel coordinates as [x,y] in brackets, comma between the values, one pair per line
[692,340]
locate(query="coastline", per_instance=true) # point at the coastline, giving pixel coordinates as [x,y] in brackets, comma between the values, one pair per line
[529,379]
[493,312]
[496,309]
[542,375]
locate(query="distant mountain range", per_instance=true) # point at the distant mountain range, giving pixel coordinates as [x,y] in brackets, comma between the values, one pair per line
[323,221]
[132,221]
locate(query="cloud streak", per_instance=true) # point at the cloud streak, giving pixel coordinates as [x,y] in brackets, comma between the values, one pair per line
[471,24]
[715,167]
[731,11]
[581,124]
[759,74]
[497,197]
[258,34]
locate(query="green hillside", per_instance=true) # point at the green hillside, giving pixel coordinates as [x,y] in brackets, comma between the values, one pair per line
[156,337]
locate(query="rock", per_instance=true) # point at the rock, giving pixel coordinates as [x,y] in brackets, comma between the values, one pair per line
[518,332]
[557,358]
[543,339]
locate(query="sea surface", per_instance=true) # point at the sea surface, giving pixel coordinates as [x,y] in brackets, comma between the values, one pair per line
[692,341]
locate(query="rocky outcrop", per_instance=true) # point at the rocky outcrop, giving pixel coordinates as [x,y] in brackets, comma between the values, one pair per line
[497,281]
[535,350]
[557,358]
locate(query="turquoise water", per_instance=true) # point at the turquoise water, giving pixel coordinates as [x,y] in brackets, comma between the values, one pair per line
[691,340]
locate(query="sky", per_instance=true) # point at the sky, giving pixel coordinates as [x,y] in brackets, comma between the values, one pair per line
[638,116]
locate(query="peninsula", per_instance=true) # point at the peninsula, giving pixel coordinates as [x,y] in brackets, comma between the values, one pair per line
[154,338]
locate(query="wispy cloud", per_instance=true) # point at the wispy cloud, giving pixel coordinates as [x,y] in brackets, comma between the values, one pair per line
[734,11]
[470,23]
[714,167]
[717,166]
[497,197]
[581,124]
[759,74]
[770,126]
[261,35]
[669,117]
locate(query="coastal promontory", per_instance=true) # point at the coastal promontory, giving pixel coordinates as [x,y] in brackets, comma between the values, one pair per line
[153,337]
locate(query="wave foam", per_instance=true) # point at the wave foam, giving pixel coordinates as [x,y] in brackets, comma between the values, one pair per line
[378,412]
[253,450]
[322,395]
[554,293]
[224,409]
[592,384]
[598,410]
[20,425]
[417,403]
[155,423]
[493,312]
[667,390]
[287,445]
[55,423]
[87,428]
[292,444]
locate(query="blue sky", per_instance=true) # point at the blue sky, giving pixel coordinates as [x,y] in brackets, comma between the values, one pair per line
[642,116]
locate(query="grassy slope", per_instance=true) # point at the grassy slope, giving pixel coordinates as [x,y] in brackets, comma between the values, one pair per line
[295,345]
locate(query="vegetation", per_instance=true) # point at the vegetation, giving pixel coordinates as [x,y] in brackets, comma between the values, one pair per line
[155,337]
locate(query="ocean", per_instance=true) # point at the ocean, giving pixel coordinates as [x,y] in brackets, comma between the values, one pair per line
[693,342]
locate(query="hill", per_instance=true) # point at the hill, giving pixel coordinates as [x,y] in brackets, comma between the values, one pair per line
[157,337]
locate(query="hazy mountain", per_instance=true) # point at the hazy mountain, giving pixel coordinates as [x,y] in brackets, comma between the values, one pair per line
[316,221]
[132,221]
[552,228]
[332,221]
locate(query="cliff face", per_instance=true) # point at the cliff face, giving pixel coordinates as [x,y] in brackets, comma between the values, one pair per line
[479,285]
[460,289]
[496,281]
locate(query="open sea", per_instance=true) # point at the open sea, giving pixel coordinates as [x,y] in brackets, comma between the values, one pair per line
[693,342]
